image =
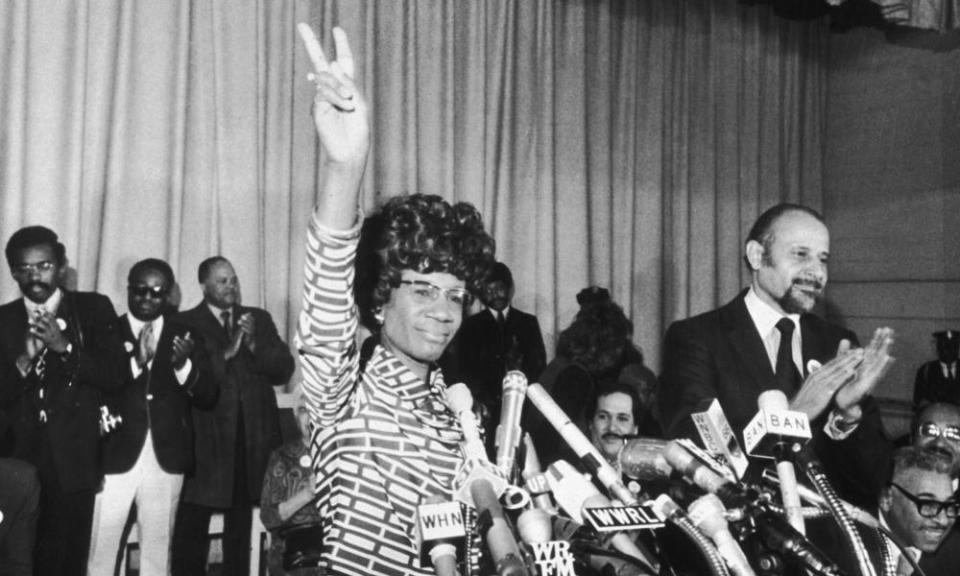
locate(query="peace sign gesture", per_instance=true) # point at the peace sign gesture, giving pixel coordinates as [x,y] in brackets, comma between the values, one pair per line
[339,109]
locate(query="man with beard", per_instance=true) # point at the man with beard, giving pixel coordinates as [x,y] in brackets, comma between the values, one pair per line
[59,350]
[235,438]
[767,338]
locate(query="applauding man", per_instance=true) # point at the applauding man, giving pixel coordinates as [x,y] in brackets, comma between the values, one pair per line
[147,455]
[235,438]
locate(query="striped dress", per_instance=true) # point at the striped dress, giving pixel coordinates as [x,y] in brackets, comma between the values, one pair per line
[383,440]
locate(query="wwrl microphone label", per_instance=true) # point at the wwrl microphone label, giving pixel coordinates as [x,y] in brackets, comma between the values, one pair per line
[617,518]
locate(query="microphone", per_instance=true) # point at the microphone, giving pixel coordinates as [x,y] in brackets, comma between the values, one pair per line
[780,536]
[718,437]
[574,493]
[731,494]
[441,534]
[642,459]
[535,482]
[776,432]
[812,497]
[480,484]
[707,514]
[588,454]
[508,432]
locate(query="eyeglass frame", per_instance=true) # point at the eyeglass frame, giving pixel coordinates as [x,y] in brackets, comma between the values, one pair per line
[940,432]
[29,267]
[434,292]
[942,506]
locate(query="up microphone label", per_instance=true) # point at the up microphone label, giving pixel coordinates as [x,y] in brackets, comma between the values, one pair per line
[617,518]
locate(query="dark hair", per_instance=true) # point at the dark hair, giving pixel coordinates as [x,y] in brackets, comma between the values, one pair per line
[593,295]
[204,269]
[427,234]
[612,387]
[152,264]
[596,338]
[762,229]
[31,236]
[500,272]
[916,458]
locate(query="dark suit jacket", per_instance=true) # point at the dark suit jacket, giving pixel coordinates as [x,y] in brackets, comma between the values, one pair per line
[73,385]
[246,381]
[826,535]
[932,386]
[720,355]
[157,400]
[484,356]
[19,507]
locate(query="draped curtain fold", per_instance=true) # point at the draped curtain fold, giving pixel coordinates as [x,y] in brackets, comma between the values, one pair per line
[613,142]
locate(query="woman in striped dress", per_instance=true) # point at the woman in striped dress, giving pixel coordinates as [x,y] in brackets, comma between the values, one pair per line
[383,440]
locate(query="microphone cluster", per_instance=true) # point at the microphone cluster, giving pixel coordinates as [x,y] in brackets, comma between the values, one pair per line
[581,517]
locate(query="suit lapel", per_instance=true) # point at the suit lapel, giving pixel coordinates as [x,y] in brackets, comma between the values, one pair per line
[745,340]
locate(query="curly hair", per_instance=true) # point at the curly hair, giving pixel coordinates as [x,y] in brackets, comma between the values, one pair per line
[597,337]
[424,233]
[31,236]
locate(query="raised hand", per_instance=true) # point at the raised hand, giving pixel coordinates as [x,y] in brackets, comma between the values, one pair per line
[46,327]
[247,325]
[182,348]
[339,109]
[146,346]
[876,363]
[819,387]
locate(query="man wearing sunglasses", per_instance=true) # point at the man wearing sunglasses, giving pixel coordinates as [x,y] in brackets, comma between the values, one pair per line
[146,456]
[919,508]
[59,351]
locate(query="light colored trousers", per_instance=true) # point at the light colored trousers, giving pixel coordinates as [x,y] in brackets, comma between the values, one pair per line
[156,494]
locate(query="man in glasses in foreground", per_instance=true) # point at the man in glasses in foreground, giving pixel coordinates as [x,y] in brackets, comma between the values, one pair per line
[937,428]
[919,508]
[59,351]
[146,456]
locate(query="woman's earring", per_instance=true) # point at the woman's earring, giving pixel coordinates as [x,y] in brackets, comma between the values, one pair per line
[378,316]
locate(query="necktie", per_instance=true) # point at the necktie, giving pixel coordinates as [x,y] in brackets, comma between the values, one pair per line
[904,567]
[500,319]
[788,378]
[147,341]
[225,320]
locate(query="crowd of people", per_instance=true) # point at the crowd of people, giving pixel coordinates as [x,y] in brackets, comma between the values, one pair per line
[173,413]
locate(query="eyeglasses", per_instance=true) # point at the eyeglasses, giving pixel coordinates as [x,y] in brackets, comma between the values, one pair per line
[24,268]
[931,430]
[426,292]
[928,507]
[144,291]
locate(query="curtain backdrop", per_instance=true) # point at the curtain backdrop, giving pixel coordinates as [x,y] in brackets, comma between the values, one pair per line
[623,143]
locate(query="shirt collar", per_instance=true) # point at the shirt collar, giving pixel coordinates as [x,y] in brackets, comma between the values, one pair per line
[136,325]
[218,311]
[506,312]
[764,316]
[51,305]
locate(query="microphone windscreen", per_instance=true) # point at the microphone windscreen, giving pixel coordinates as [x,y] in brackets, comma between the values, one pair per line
[459,397]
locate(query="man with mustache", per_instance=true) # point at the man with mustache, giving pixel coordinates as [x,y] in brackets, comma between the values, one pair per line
[768,338]
[59,350]
[937,428]
[612,418]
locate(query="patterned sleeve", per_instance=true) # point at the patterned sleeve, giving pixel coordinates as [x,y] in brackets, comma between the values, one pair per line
[328,322]
[274,492]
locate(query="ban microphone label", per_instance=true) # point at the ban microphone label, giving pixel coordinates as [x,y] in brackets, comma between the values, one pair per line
[617,518]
